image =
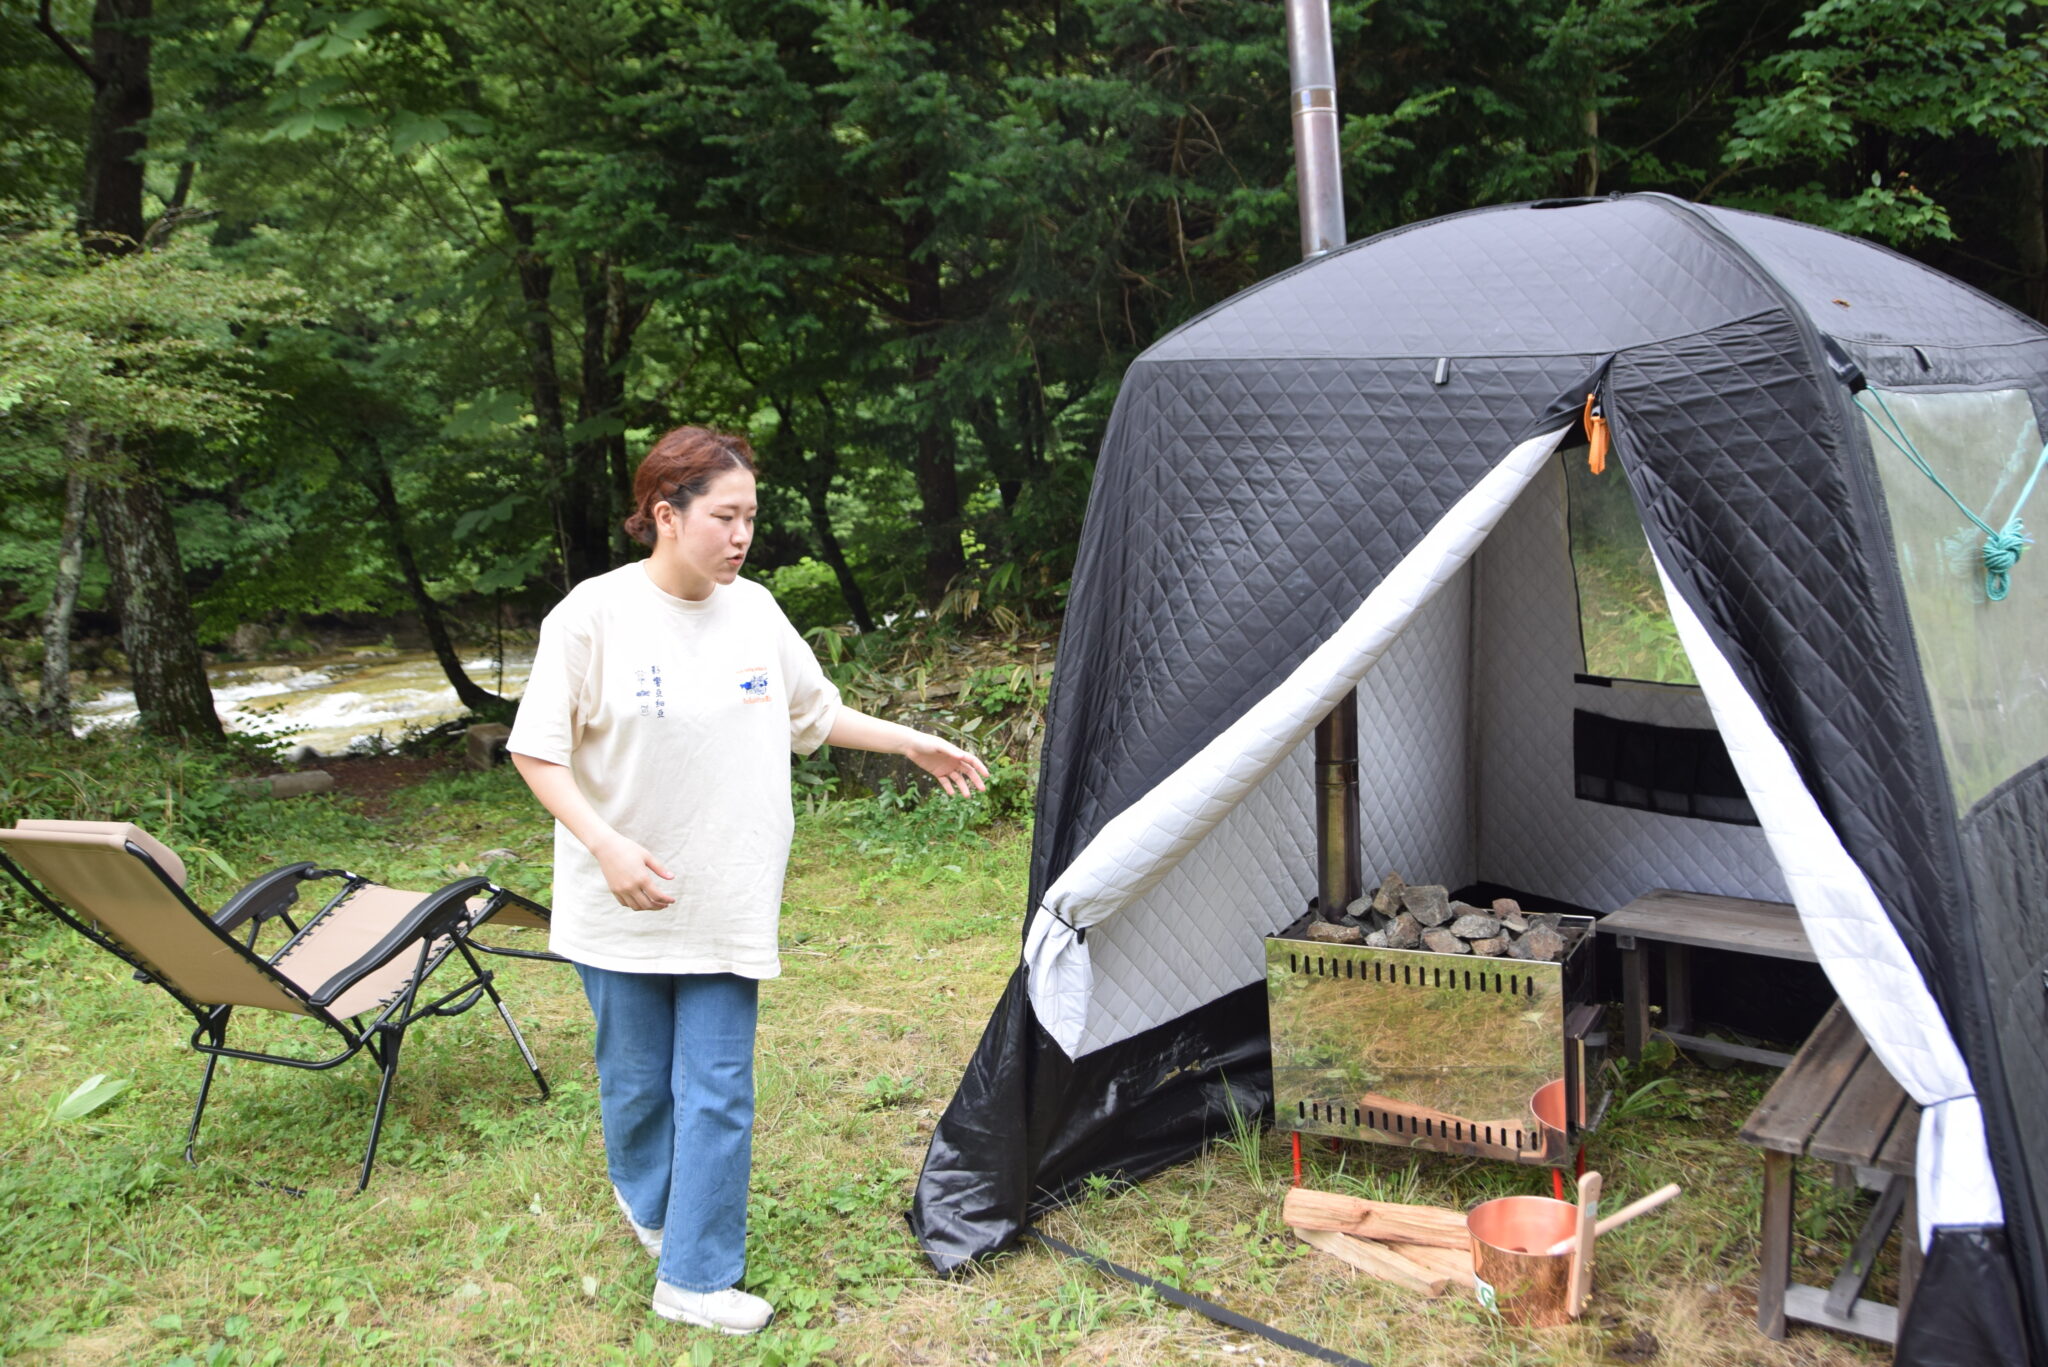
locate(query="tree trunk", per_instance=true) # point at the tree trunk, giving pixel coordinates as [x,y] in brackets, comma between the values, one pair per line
[583,553]
[2032,231]
[1005,461]
[14,713]
[1586,174]
[226,93]
[596,457]
[468,692]
[53,705]
[938,479]
[117,135]
[148,582]
[135,524]
[817,487]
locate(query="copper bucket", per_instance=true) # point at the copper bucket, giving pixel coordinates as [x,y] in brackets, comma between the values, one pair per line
[1516,1279]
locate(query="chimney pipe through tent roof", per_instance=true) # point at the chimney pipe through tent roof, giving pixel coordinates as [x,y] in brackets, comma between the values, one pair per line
[1312,74]
[1312,71]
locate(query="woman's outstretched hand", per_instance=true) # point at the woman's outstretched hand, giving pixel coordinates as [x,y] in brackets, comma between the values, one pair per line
[630,872]
[958,771]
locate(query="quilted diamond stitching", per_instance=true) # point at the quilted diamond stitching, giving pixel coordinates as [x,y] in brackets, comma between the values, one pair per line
[1887,296]
[1193,593]
[1516,280]
[1794,588]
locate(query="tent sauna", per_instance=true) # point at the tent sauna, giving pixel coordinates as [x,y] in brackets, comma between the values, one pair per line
[1369,472]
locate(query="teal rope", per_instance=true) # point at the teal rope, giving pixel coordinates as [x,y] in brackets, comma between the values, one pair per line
[2002,545]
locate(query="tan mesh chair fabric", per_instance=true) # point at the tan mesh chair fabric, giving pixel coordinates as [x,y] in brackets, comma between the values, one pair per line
[346,934]
[166,858]
[86,864]
[519,916]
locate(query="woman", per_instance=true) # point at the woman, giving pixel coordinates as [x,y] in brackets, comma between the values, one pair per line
[665,700]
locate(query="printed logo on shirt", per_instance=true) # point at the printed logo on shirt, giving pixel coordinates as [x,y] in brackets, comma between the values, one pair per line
[753,684]
[647,692]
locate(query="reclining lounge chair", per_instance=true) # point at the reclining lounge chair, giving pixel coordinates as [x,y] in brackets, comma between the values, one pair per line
[359,965]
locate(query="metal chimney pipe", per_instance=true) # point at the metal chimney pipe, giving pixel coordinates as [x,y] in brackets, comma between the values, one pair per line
[1312,71]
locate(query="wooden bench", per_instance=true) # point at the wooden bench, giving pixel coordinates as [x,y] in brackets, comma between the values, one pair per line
[1835,1102]
[1676,923]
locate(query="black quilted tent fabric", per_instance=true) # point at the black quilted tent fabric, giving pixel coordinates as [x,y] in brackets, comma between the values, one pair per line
[1269,462]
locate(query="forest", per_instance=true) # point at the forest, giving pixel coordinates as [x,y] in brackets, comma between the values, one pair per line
[317,314]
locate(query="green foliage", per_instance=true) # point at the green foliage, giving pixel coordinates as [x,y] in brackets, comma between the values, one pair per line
[912,826]
[884,1091]
[981,689]
[89,1096]
[1626,624]
[1869,93]
[150,339]
[181,796]
[808,594]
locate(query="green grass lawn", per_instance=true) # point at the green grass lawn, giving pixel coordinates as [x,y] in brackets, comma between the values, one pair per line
[488,1234]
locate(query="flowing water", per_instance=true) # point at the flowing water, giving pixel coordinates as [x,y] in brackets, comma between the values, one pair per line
[332,702]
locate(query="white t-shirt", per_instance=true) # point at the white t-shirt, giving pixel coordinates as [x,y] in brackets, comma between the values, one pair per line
[677,719]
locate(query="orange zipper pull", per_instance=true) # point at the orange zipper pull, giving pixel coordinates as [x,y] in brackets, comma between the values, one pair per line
[1596,436]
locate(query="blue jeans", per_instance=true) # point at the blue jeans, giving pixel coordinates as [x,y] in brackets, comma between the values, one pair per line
[675,1072]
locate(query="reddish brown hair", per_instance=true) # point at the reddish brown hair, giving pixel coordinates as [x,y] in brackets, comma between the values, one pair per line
[678,468]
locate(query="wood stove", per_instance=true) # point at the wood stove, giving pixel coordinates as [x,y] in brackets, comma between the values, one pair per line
[1437,1051]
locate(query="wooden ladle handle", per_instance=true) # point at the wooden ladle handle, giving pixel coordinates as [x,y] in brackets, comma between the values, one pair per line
[1622,1216]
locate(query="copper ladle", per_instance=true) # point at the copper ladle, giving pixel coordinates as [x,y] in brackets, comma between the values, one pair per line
[1620,1217]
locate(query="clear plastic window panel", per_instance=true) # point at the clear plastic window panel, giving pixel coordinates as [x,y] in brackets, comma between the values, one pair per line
[1985,662]
[1624,623]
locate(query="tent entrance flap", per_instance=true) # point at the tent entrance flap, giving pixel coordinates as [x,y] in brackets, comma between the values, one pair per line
[1145,842]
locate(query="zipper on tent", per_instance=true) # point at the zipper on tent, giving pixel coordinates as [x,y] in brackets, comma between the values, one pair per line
[1595,422]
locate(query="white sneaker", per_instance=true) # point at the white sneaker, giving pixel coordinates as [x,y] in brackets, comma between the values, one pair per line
[731,1311]
[650,1239]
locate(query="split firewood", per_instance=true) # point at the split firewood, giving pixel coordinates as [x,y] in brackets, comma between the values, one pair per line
[1438,1262]
[1383,1220]
[1376,1260]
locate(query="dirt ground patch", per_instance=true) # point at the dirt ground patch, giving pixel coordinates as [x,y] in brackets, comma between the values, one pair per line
[372,779]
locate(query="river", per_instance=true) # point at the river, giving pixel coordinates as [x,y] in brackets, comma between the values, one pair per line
[329,702]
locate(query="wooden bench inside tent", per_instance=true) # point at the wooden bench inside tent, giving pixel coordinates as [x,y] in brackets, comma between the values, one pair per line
[1835,1102]
[1674,924]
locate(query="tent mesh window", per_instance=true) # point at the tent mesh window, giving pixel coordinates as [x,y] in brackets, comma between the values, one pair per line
[1625,626]
[1676,770]
[1984,661]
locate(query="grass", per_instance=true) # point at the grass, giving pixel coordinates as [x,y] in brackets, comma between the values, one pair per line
[1624,621]
[488,1235]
